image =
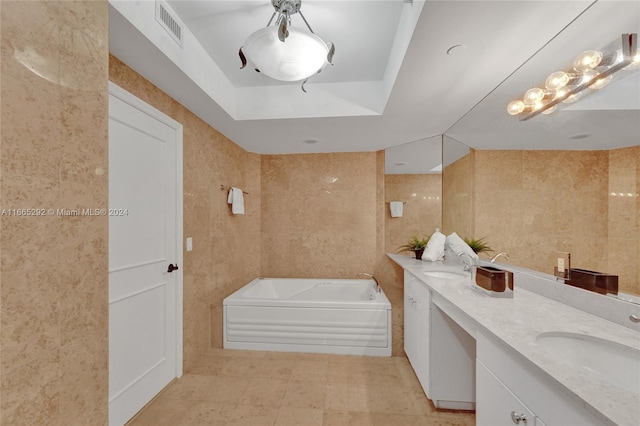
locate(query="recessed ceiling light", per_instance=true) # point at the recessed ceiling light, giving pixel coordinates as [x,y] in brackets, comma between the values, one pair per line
[579,136]
[402,163]
[311,141]
[456,49]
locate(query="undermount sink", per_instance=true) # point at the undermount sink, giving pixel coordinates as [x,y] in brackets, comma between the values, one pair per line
[611,362]
[451,275]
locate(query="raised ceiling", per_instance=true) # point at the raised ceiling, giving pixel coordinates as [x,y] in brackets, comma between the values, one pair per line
[393,82]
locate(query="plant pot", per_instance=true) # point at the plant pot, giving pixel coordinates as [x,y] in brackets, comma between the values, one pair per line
[418,253]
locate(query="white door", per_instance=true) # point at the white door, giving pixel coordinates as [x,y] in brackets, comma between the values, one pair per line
[145,233]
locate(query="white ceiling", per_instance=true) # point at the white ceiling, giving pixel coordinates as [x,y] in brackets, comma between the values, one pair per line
[393,82]
[213,21]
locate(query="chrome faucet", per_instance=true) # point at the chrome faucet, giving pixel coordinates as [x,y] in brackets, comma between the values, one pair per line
[376,286]
[468,263]
[494,258]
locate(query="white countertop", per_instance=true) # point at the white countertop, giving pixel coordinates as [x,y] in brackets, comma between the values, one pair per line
[516,322]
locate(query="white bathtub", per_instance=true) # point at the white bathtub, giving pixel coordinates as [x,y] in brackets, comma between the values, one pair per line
[309,315]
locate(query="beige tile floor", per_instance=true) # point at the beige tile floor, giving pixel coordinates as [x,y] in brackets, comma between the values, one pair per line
[253,388]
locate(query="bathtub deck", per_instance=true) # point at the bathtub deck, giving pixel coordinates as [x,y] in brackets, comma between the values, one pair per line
[345,317]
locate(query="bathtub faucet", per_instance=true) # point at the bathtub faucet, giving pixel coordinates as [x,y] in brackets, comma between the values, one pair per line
[364,274]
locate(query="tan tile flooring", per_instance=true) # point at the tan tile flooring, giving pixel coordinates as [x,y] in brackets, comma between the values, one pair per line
[252,388]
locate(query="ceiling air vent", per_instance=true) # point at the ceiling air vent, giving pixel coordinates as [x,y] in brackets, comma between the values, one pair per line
[169,22]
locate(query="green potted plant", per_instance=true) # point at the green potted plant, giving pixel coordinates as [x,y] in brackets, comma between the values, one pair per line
[416,245]
[478,245]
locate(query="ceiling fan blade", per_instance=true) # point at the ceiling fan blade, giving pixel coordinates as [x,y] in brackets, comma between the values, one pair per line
[332,51]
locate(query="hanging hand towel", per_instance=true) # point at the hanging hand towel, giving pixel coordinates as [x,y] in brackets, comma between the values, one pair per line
[396,208]
[236,199]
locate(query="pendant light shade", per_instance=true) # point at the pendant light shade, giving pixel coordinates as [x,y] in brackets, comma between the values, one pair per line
[284,52]
[300,56]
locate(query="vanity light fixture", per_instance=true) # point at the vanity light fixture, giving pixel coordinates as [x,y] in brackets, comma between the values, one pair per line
[284,52]
[592,70]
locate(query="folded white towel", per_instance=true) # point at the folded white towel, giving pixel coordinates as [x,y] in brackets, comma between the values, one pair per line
[396,208]
[236,199]
[435,247]
[456,245]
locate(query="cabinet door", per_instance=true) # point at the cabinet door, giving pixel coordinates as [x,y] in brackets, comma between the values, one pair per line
[416,327]
[423,300]
[410,319]
[495,404]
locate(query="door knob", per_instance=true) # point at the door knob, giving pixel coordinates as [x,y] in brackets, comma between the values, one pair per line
[172,268]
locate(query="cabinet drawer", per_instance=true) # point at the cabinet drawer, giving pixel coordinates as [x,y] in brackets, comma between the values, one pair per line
[549,401]
[496,405]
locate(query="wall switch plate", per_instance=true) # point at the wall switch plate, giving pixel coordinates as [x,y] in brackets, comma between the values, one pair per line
[189,244]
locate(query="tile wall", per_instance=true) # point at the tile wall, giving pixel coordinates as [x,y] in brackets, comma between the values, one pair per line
[623,244]
[319,214]
[457,203]
[531,203]
[421,215]
[53,298]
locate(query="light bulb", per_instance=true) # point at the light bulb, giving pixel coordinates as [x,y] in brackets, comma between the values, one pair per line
[550,110]
[587,60]
[533,95]
[601,82]
[571,99]
[556,80]
[515,107]
[537,105]
[588,77]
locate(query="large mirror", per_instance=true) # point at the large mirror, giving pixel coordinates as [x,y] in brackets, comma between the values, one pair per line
[413,176]
[566,181]
[457,188]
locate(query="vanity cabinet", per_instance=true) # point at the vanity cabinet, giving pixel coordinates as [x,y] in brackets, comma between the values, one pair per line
[508,388]
[441,354]
[470,351]
[416,327]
